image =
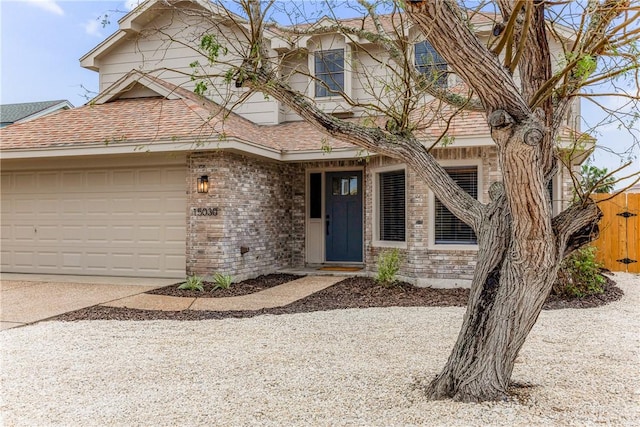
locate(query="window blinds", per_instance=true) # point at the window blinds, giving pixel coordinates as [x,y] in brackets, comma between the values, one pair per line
[448,228]
[392,206]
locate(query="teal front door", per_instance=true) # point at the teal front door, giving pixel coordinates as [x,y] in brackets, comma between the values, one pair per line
[343,216]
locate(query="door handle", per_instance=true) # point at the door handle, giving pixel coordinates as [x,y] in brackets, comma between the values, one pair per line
[327,223]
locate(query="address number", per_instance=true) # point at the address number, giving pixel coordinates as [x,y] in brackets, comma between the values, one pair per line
[205,211]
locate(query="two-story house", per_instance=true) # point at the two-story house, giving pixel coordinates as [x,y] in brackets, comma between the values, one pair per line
[150,179]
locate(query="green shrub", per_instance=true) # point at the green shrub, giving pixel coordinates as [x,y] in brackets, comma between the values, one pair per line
[222,281]
[579,274]
[388,266]
[193,283]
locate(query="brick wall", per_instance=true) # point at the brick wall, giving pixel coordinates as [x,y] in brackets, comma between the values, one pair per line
[259,205]
[423,263]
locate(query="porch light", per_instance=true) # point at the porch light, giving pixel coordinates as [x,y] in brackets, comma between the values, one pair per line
[203,184]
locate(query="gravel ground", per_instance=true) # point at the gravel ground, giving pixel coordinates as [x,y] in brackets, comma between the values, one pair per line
[343,367]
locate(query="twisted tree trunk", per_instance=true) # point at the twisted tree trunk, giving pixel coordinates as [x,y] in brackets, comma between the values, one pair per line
[518,259]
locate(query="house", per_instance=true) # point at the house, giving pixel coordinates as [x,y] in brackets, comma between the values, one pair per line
[150,179]
[18,113]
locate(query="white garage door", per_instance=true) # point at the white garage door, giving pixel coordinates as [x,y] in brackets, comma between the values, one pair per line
[119,221]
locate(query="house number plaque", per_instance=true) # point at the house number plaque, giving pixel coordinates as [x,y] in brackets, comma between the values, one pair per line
[205,211]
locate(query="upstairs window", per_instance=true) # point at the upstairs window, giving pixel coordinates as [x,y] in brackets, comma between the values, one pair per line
[449,230]
[392,201]
[431,64]
[329,72]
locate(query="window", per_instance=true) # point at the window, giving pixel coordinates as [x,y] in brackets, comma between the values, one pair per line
[392,206]
[315,195]
[345,186]
[431,64]
[329,72]
[449,229]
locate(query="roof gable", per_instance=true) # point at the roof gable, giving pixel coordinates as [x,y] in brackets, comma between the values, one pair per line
[136,20]
[134,81]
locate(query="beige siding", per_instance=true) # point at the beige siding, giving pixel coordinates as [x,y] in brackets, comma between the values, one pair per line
[149,52]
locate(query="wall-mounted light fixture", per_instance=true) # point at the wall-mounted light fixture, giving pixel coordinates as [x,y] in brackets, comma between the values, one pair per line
[203,184]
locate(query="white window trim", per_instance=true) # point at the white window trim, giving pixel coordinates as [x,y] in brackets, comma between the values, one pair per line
[311,64]
[375,215]
[432,208]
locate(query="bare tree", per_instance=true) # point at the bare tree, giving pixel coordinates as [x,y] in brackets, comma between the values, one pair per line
[511,80]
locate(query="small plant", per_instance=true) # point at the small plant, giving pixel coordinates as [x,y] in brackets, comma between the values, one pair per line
[193,283]
[222,281]
[579,274]
[388,266]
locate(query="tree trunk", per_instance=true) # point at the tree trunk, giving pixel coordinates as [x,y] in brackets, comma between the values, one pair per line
[501,311]
[518,259]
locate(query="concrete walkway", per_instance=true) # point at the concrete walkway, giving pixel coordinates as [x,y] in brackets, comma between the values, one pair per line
[27,299]
[276,296]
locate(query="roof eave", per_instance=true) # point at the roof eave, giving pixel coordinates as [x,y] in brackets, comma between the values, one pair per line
[90,59]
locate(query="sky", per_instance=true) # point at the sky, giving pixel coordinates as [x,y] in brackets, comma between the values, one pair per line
[43,40]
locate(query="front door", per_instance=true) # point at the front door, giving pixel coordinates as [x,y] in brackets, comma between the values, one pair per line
[343,216]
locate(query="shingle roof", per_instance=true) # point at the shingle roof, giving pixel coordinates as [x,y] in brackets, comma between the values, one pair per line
[390,22]
[142,120]
[148,120]
[190,119]
[11,113]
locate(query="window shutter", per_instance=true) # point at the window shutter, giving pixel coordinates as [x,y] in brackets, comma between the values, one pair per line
[448,228]
[392,206]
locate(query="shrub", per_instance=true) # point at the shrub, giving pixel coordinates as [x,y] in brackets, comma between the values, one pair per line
[193,283]
[388,266]
[222,281]
[579,274]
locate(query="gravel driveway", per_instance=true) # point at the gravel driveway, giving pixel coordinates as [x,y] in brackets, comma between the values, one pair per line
[344,367]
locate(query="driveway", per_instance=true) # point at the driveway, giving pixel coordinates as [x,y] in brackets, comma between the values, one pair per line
[28,298]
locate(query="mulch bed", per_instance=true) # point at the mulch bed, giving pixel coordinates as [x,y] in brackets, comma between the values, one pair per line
[354,292]
[611,293]
[237,289]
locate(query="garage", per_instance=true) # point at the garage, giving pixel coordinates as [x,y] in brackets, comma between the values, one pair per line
[116,216]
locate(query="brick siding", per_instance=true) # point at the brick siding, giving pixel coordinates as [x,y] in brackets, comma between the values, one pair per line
[261,206]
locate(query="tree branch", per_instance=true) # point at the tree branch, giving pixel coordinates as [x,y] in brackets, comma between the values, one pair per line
[407,148]
[576,226]
[441,21]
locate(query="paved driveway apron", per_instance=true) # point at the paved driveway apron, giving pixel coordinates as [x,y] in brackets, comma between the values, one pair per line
[28,298]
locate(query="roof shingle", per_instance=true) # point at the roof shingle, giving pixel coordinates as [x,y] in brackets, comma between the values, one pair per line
[11,113]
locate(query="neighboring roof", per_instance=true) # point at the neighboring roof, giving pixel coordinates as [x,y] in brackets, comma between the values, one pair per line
[12,113]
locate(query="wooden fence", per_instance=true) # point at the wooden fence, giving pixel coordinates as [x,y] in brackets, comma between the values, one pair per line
[619,241]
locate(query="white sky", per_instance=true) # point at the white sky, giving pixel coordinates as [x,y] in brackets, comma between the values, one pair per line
[42,41]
